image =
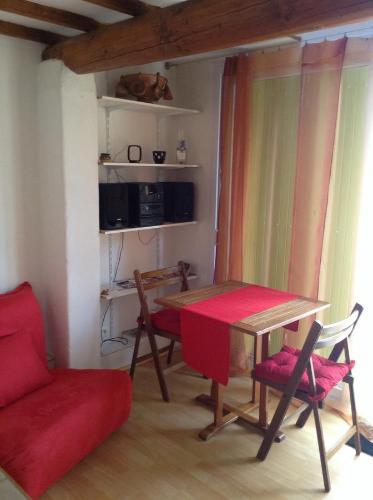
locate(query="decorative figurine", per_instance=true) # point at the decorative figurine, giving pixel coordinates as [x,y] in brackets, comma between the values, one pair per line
[181,152]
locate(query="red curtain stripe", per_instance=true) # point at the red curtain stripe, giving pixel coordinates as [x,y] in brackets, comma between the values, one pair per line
[234,150]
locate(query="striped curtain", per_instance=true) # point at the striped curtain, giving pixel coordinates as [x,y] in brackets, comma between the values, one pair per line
[302,172]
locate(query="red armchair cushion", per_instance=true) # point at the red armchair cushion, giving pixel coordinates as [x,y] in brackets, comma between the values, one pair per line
[279,368]
[19,310]
[167,320]
[21,369]
[50,430]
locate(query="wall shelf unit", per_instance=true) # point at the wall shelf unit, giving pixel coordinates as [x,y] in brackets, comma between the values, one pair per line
[115,292]
[112,103]
[154,127]
[173,166]
[166,225]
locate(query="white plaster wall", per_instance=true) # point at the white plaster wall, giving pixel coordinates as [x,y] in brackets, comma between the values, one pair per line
[70,243]
[19,179]
[79,105]
[49,196]
[198,86]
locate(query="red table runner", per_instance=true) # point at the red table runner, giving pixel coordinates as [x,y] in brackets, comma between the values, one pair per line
[205,326]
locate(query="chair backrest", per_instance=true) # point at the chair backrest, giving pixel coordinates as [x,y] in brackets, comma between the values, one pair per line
[156,279]
[321,336]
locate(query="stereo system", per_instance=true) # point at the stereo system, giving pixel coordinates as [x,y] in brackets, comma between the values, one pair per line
[142,204]
[146,204]
[114,208]
[178,201]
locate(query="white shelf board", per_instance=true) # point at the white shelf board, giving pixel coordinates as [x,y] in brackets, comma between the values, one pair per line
[135,229]
[117,292]
[156,165]
[143,107]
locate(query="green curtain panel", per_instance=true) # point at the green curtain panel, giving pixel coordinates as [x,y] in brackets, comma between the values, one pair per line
[270,191]
[340,241]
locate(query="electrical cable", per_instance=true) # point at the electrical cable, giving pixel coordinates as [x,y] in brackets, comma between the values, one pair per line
[119,152]
[146,242]
[119,258]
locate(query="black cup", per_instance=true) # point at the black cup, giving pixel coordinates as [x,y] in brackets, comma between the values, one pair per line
[159,156]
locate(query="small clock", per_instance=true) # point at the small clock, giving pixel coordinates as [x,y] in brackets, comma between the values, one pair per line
[134,153]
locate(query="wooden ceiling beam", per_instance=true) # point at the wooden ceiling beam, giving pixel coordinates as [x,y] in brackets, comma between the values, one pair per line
[49,14]
[197,26]
[26,33]
[130,7]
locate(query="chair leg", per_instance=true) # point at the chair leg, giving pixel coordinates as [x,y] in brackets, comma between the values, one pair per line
[158,368]
[320,440]
[275,425]
[170,351]
[135,353]
[303,417]
[354,416]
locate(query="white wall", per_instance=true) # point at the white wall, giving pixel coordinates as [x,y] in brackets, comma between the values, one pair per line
[49,196]
[198,86]
[70,243]
[19,179]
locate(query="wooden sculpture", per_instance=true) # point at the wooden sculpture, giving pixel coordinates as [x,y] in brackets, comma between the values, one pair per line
[145,87]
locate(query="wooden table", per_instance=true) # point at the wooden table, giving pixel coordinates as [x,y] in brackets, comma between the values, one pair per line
[259,326]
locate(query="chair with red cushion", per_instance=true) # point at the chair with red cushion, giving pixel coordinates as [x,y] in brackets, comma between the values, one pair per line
[308,377]
[164,323]
[49,419]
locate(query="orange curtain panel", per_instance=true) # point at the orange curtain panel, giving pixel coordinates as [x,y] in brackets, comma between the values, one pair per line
[234,148]
[295,199]
[252,170]
[319,101]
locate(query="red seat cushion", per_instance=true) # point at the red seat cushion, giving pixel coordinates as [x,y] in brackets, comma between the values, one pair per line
[50,430]
[19,310]
[167,320]
[279,368]
[21,369]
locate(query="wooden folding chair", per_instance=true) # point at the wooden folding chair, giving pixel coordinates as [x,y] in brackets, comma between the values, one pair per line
[309,378]
[165,323]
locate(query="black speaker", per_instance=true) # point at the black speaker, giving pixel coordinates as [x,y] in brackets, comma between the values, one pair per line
[146,204]
[178,201]
[114,208]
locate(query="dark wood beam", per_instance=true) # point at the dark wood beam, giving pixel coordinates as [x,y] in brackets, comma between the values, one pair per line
[49,14]
[198,26]
[19,31]
[130,7]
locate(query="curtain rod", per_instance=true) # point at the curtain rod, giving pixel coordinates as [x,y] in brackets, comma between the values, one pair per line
[278,46]
[234,50]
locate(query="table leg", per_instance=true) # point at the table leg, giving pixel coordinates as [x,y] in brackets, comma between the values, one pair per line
[225,414]
[263,398]
[257,356]
[218,391]
[215,400]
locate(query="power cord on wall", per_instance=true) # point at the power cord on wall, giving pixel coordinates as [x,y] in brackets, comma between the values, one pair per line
[120,340]
[119,257]
[146,242]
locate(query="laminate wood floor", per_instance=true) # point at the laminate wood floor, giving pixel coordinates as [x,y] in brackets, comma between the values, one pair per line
[157,455]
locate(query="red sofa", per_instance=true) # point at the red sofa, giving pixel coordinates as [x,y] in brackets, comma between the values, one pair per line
[49,419]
